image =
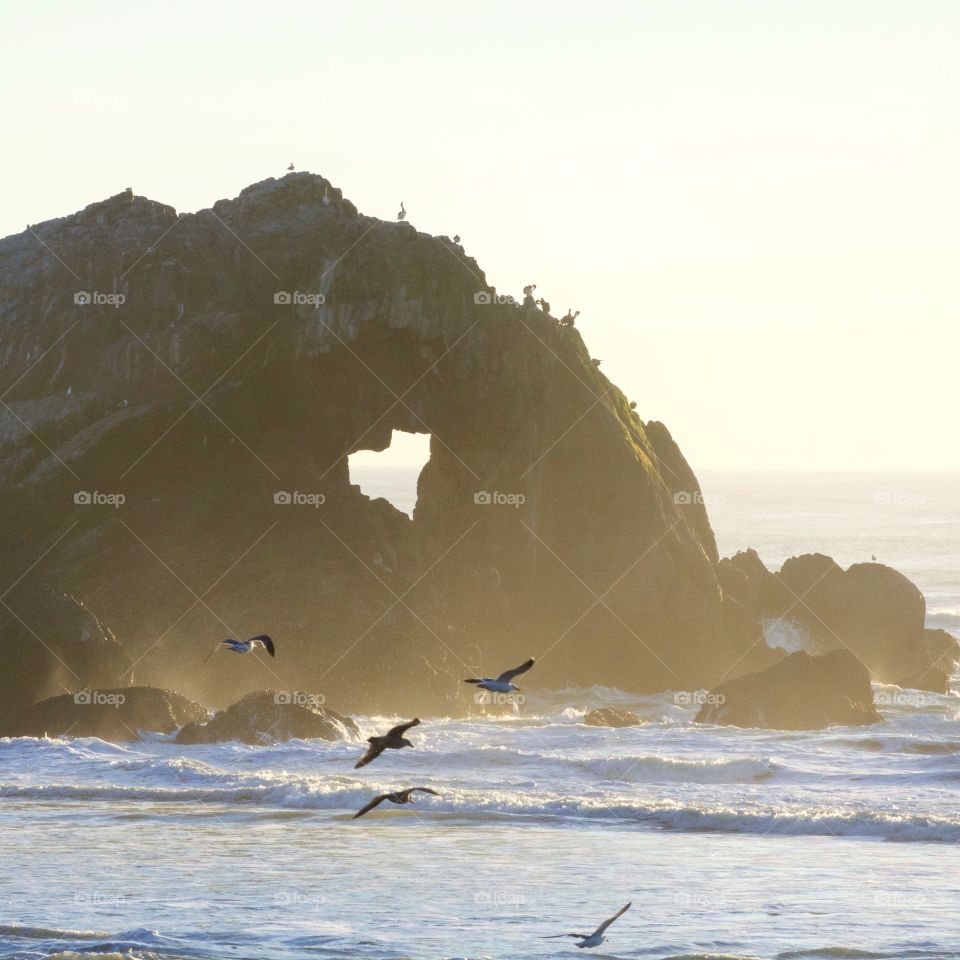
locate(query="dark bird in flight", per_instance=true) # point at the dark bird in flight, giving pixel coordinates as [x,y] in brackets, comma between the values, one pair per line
[402,214]
[597,937]
[393,739]
[502,684]
[290,167]
[244,646]
[401,796]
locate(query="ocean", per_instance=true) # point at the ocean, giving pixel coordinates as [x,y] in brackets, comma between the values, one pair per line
[728,843]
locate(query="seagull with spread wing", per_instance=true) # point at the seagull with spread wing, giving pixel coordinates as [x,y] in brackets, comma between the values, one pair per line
[393,739]
[597,937]
[244,646]
[401,796]
[503,683]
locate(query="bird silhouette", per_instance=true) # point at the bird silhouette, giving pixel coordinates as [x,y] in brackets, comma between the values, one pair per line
[393,739]
[403,213]
[401,796]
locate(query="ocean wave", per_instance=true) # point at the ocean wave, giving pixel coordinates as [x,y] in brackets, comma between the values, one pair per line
[348,794]
[672,769]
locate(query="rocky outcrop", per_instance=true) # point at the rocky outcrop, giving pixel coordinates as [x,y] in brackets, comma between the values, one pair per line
[116,715]
[870,609]
[269,715]
[612,717]
[801,692]
[50,641]
[185,391]
[937,661]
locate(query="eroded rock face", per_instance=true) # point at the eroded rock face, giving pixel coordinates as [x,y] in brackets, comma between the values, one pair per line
[258,344]
[801,692]
[612,717]
[116,715]
[268,715]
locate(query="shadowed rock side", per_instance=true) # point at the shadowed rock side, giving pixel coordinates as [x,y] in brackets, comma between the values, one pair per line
[199,400]
[798,693]
[115,715]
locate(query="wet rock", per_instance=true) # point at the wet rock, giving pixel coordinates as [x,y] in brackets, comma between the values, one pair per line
[801,692]
[612,717]
[116,715]
[268,715]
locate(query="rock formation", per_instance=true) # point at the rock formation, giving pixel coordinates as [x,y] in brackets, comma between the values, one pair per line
[115,715]
[266,715]
[611,717]
[182,393]
[800,692]
[870,609]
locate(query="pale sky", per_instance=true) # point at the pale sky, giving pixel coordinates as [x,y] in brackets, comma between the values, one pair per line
[755,205]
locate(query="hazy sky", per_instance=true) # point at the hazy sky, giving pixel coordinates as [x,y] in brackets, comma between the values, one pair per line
[755,205]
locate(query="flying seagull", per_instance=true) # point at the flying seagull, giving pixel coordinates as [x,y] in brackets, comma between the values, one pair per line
[401,796]
[597,937]
[393,739]
[402,214]
[244,646]
[502,683]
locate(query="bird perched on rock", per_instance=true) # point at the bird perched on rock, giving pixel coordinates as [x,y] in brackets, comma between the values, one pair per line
[544,306]
[393,739]
[401,796]
[456,238]
[633,404]
[244,646]
[403,213]
[569,318]
[325,199]
[502,684]
[597,937]
[290,167]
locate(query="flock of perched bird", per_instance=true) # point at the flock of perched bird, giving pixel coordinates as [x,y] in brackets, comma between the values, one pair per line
[394,739]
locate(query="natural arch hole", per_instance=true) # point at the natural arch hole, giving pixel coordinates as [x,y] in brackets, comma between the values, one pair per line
[392,473]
